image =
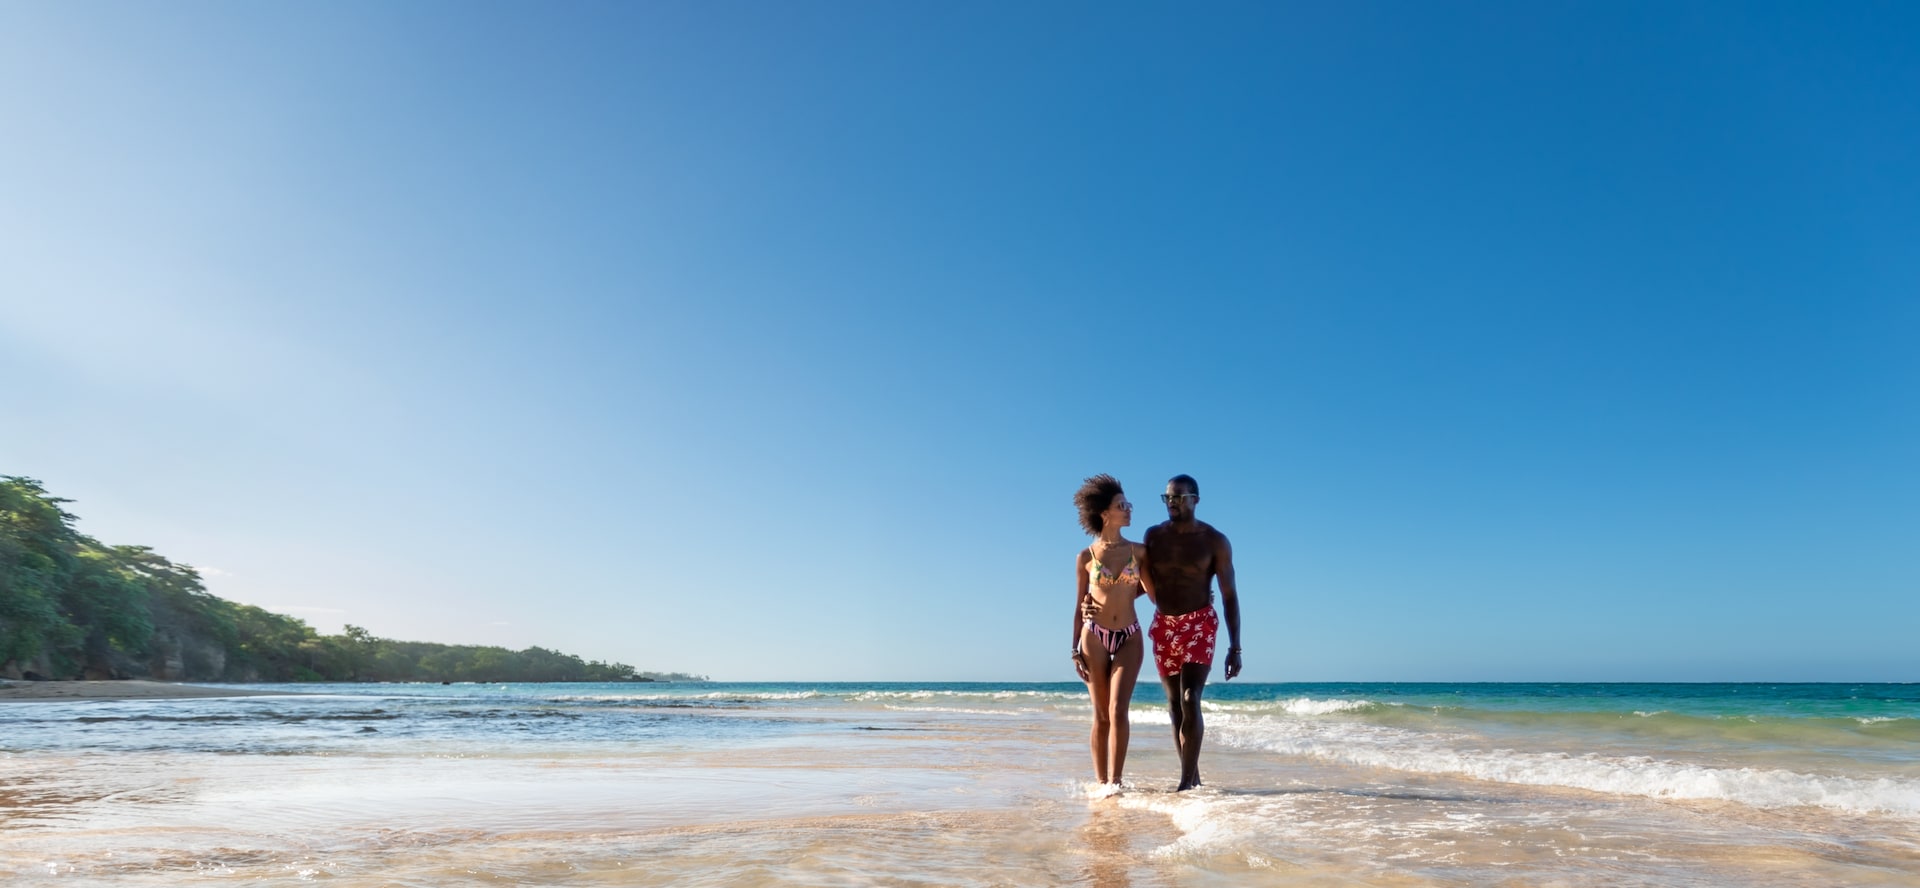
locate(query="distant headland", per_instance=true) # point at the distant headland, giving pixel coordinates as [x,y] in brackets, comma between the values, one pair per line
[73,608]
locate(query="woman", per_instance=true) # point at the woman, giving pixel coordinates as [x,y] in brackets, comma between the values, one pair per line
[1107,642]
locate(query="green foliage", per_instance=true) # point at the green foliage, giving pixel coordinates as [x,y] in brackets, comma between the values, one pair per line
[671,676]
[387,660]
[78,608]
[108,604]
[37,546]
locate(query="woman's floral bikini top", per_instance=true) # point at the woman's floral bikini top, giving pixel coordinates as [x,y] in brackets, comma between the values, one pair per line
[1097,572]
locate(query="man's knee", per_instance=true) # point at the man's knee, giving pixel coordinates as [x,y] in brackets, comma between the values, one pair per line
[1193,680]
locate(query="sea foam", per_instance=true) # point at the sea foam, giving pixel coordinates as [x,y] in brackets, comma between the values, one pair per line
[732,696]
[1294,706]
[1401,750]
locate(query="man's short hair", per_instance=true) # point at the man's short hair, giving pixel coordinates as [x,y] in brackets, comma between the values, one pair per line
[1188,481]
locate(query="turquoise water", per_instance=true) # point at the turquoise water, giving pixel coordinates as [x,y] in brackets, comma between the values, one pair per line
[1876,724]
[894,783]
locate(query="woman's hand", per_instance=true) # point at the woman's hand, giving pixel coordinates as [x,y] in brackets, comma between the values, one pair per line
[1080,666]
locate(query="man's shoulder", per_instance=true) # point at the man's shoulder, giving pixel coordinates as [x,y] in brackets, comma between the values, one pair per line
[1155,530]
[1211,530]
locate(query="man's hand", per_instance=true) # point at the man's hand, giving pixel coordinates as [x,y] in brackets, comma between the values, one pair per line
[1233,664]
[1090,609]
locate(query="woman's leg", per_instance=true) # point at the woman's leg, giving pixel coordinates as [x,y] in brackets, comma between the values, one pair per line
[1125,671]
[1099,684]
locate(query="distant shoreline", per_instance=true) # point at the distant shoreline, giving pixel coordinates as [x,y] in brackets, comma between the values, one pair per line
[43,691]
[23,691]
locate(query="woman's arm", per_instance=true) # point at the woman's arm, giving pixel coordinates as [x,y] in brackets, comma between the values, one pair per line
[1080,600]
[1146,576]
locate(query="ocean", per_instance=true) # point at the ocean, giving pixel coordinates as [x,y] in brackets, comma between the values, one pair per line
[967,784]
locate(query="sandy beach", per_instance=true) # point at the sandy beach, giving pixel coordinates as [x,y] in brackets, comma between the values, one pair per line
[964,784]
[28,691]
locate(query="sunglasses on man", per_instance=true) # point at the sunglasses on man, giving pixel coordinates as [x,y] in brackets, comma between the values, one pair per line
[1168,498]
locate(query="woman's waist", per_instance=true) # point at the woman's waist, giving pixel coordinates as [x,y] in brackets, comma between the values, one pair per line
[1114,618]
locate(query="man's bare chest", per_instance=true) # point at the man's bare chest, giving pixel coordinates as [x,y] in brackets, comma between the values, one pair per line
[1182,554]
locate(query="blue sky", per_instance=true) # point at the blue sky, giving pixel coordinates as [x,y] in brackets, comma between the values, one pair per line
[769,341]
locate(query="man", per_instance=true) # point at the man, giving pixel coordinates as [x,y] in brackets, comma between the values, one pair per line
[1184,554]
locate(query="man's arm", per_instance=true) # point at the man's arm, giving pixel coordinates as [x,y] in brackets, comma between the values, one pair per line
[1229,599]
[1146,573]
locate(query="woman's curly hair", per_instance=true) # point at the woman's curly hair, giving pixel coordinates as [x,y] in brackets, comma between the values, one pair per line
[1093,498]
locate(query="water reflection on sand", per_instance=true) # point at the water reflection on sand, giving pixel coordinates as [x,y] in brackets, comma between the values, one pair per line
[456,788]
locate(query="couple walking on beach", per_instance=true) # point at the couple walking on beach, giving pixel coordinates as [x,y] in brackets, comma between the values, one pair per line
[1174,565]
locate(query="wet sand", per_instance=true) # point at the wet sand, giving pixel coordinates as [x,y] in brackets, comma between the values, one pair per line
[770,786]
[29,691]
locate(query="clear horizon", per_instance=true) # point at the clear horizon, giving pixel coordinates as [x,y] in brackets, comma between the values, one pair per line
[747,340]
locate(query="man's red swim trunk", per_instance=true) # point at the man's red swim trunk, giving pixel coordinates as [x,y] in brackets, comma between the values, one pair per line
[1187,638]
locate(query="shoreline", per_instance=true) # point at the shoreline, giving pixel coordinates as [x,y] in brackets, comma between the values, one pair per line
[130,689]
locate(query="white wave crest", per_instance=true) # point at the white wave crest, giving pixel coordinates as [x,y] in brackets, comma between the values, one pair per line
[961,710]
[872,696]
[676,698]
[1295,706]
[1621,775]
[1310,706]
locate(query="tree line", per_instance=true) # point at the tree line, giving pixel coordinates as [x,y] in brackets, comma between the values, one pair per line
[72,607]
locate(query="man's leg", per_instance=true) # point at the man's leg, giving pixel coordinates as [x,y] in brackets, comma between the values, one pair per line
[1176,714]
[1163,653]
[1188,726]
